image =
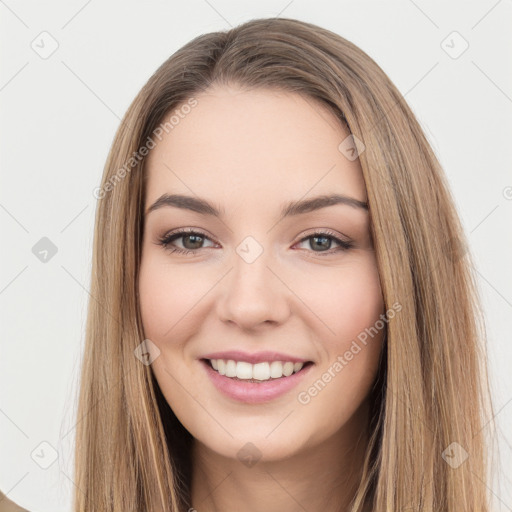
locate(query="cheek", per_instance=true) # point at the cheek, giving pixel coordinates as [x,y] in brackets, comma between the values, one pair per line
[360,303]
[167,298]
[351,355]
[348,302]
[156,298]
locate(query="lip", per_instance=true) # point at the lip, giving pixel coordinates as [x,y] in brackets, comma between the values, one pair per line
[258,357]
[254,392]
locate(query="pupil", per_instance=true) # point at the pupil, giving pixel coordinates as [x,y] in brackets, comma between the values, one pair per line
[315,238]
[198,240]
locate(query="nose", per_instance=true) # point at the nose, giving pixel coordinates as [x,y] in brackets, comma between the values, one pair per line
[253,295]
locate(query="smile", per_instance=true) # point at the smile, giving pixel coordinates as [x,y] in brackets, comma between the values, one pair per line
[254,383]
[263,371]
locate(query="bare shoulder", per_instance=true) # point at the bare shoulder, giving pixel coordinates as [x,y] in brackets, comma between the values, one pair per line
[6,505]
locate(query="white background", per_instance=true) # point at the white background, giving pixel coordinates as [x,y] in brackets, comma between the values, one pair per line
[58,119]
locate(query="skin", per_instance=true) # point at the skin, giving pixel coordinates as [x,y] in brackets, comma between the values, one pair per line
[250,152]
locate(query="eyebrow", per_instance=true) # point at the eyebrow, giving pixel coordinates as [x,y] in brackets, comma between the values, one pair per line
[293,208]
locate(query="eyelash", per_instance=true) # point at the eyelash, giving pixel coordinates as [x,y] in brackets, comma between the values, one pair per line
[168,238]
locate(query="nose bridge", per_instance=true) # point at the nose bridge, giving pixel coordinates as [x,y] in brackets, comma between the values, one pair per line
[251,262]
[253,294]
[251,275]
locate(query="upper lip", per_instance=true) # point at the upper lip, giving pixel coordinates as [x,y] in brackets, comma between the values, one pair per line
[257,357]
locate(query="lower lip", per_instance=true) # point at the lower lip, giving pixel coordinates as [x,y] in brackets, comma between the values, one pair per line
[254,392]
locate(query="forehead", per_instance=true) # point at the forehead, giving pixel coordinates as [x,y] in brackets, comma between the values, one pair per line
[251,148]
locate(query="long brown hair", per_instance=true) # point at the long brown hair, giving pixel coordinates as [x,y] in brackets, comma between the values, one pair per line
[430,402]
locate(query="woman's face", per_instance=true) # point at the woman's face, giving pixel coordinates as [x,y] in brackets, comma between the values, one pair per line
[258,283]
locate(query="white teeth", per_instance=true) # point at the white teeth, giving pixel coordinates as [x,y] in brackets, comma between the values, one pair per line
[287,369]
[276,369]
[243,370]
[260,371]
[230,368]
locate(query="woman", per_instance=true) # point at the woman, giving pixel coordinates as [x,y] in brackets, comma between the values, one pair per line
[283,313]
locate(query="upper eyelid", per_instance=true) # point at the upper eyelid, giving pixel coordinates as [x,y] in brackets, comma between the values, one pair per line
[187,231]
[304,236]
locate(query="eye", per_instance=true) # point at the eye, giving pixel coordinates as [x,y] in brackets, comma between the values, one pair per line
[323,240]
[193,241]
